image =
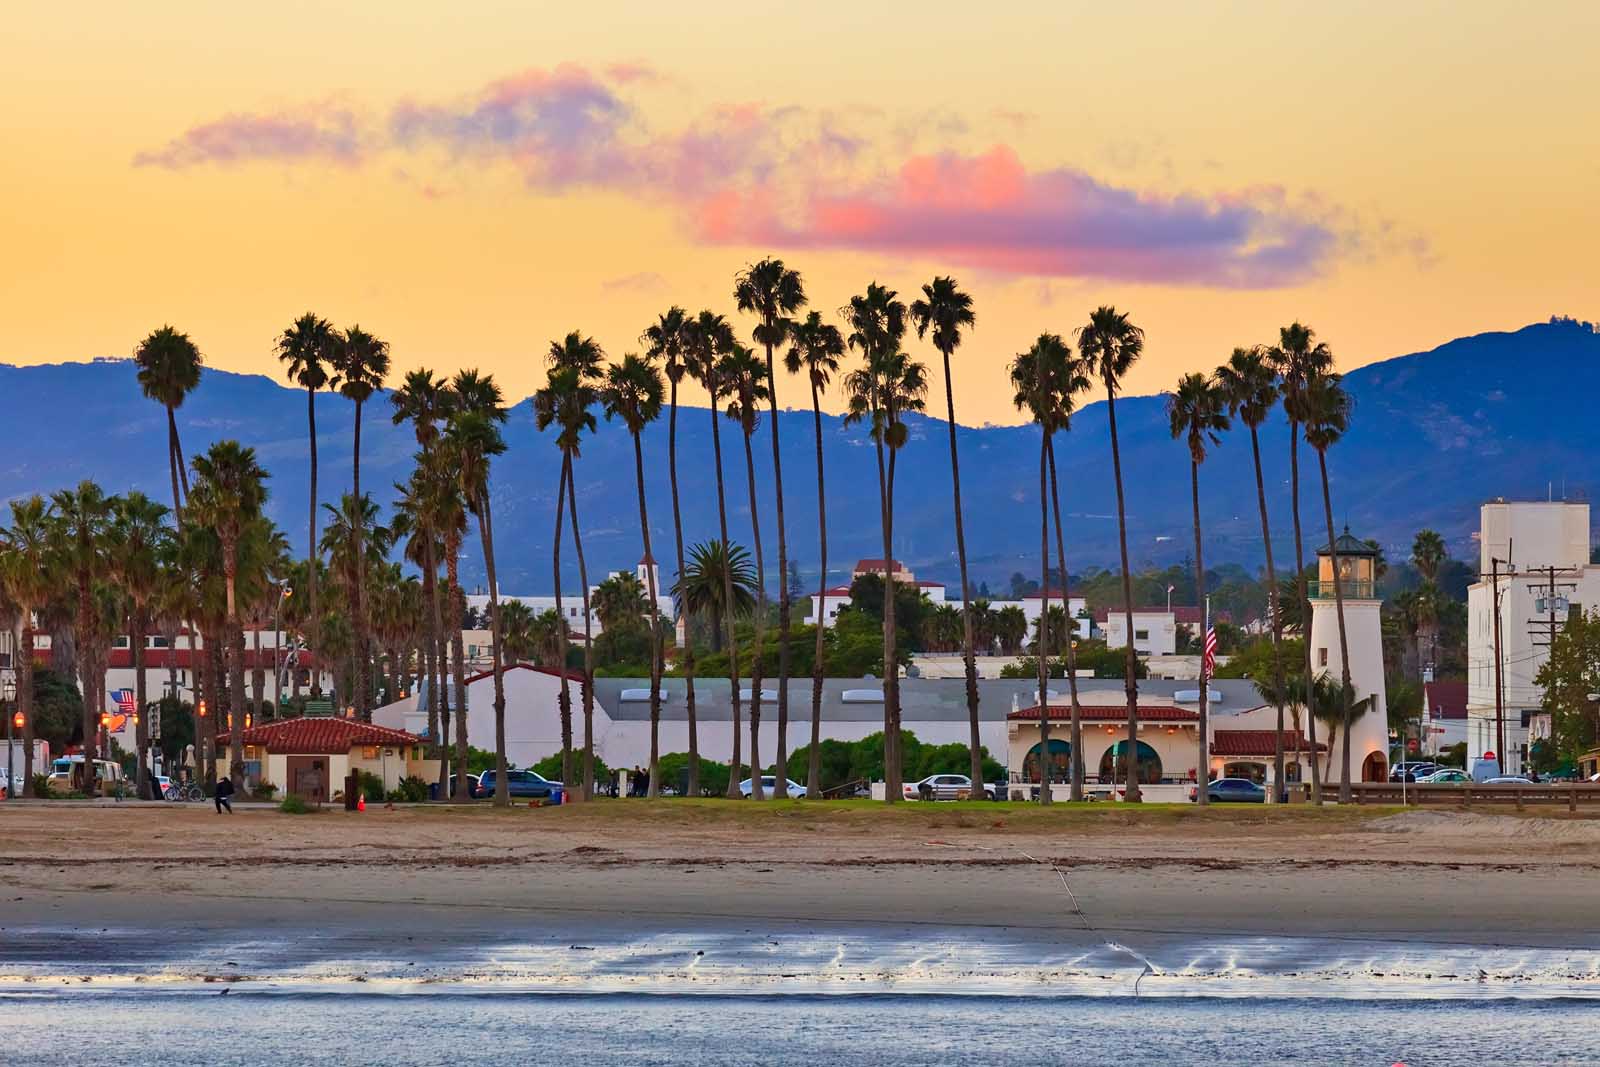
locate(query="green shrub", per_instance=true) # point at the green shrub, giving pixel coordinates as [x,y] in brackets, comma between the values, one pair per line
[293,804]
[372,787]
[264,790]
[411,790]
[41,786]
[550,767]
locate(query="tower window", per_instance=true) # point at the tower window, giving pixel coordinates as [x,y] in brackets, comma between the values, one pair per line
[1322,657]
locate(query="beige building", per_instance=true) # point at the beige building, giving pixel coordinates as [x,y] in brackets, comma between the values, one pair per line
[311,756]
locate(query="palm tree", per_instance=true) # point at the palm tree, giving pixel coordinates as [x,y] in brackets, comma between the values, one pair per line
[632,393]
[472,439]
[1327,416]
[877,320]
[26,562]
[169,370]
[516,630]
[140,539]
[708,339]
[1250,385]
[1011,627]
[1197,413]
[548,635]
[703,588]
[1111,344]
[882,392]
[773,292]
[621,602]
[309,347]
[1297,357]
[815,349]
[1333,704]
[362,363]
[667,339]
[78,547]
[946,310]
[229,493]
[741,372]
[1428,553]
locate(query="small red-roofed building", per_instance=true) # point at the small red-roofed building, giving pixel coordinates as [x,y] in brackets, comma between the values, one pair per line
[311,756]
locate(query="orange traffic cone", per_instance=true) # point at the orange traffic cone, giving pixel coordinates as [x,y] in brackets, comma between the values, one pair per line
[361,802]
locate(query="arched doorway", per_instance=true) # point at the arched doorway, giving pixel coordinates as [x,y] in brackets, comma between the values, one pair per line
[1374,768]
[1059,764]
[1115,763]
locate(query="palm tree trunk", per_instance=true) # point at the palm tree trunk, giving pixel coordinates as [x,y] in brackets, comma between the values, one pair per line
[693,788]
[141,731]
[1042,652]
[588,641]
[732,790]
[1347,693]
[1203,757]
[258,677]
[891,663]
[502,794]
[177,452]
[814,763]
[891,768]
[91,711]
[236,702]
[968,646]
[313,557]
[756,790]
[25,697]
[1305,608]
[430,633]
[784,606]
[564,701]
[363,678]
[458,650]
[1279,688]
[1131,683]
[175,461]
[655,625]
[1076,756]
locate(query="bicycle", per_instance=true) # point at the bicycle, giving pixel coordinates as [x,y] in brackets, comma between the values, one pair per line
[187,792]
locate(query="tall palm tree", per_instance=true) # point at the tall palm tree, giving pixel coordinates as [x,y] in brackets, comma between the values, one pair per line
[708,339]
[472,439]
[140,539]
[230,492]
[946,310]
[741,372]
[1111,344]
[877,320]
[815,349]
[1428,553]
[1327,416]
[362,363]
[78,546]
[309,347]
[1250,385]
[881,393]
[1197,413]
[26,571]
[774,292]
[632,393]
[422,400]
[667,339]
[169,370]
[703,588]
[1297,358]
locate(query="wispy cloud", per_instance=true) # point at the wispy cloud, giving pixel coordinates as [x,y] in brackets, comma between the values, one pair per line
[788,177]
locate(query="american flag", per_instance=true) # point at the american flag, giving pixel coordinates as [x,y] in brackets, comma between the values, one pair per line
[124,699]
[1209,662]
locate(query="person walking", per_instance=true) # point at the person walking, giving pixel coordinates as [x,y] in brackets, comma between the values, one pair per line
[224,794]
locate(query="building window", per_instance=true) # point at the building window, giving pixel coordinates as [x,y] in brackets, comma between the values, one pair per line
[1141,635]
[1322,657]
[120,641]
[156,641]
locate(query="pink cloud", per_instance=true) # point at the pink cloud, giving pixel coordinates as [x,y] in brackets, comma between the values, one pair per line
[331,134]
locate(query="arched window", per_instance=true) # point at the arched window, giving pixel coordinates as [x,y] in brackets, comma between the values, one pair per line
[1060,762]
[1149,764]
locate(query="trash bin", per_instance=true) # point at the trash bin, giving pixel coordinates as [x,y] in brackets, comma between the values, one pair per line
[352,791]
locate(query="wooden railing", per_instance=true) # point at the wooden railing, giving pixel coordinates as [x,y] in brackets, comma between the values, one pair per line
[1572,794]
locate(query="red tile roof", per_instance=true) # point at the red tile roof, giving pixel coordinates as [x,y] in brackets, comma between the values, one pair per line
[1187,614]
[1258,743]
[1108,713]
[836,591]
[1055,594]
[183,658]
[876,566]
[573,675]
[1445,700]
[319,736]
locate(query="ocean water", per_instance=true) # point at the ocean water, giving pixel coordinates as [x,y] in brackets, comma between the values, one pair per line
[136,1027]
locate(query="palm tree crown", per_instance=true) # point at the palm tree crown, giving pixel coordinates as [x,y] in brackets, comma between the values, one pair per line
[1197,412]
[169,366]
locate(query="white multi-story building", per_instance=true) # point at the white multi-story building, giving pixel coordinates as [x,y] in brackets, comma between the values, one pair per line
[1155,630]
[1540,550]
[572,603]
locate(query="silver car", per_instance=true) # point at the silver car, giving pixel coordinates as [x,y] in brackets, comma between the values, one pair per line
[944,787]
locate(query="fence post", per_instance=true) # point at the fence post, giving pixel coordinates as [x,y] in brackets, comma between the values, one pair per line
[1572,798]
[1519,797]
[1466,796]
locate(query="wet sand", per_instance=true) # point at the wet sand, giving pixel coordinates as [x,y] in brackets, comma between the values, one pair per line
[924,896]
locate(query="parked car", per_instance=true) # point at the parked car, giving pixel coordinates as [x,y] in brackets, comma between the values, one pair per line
[1231,791]
[1411,772]
[1510,779]
[769,786]
[521,784]
[945,787]
[1446,776]
[472,786]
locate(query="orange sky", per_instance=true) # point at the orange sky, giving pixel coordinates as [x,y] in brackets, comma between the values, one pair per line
[471,184]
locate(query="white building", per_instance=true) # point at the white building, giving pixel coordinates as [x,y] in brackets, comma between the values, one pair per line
[1155,630]
[572,603]
[533,712]
[1542,549]
[825,603]
[1369,738]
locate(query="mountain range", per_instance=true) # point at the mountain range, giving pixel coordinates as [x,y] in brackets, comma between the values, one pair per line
[1433,435]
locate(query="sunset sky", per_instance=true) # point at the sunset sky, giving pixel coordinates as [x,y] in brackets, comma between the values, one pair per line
[471,180]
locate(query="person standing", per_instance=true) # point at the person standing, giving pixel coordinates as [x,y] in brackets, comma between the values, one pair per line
[224,794]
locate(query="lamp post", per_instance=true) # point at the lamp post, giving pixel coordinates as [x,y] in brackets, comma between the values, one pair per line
[284,593]
[8,687]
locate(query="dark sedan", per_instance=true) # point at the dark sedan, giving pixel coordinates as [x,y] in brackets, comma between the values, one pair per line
[1233,791]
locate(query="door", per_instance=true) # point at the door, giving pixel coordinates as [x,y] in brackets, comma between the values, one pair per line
[1374,768]
[308,778]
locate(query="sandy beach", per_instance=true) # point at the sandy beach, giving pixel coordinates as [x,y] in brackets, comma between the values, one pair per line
[625,891]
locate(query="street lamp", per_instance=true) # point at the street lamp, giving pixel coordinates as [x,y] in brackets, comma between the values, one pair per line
[9,689]
[284,593]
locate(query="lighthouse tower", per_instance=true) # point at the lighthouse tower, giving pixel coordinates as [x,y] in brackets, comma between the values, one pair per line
[1369,736]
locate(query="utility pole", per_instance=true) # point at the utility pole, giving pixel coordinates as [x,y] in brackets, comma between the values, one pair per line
[1499,692]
